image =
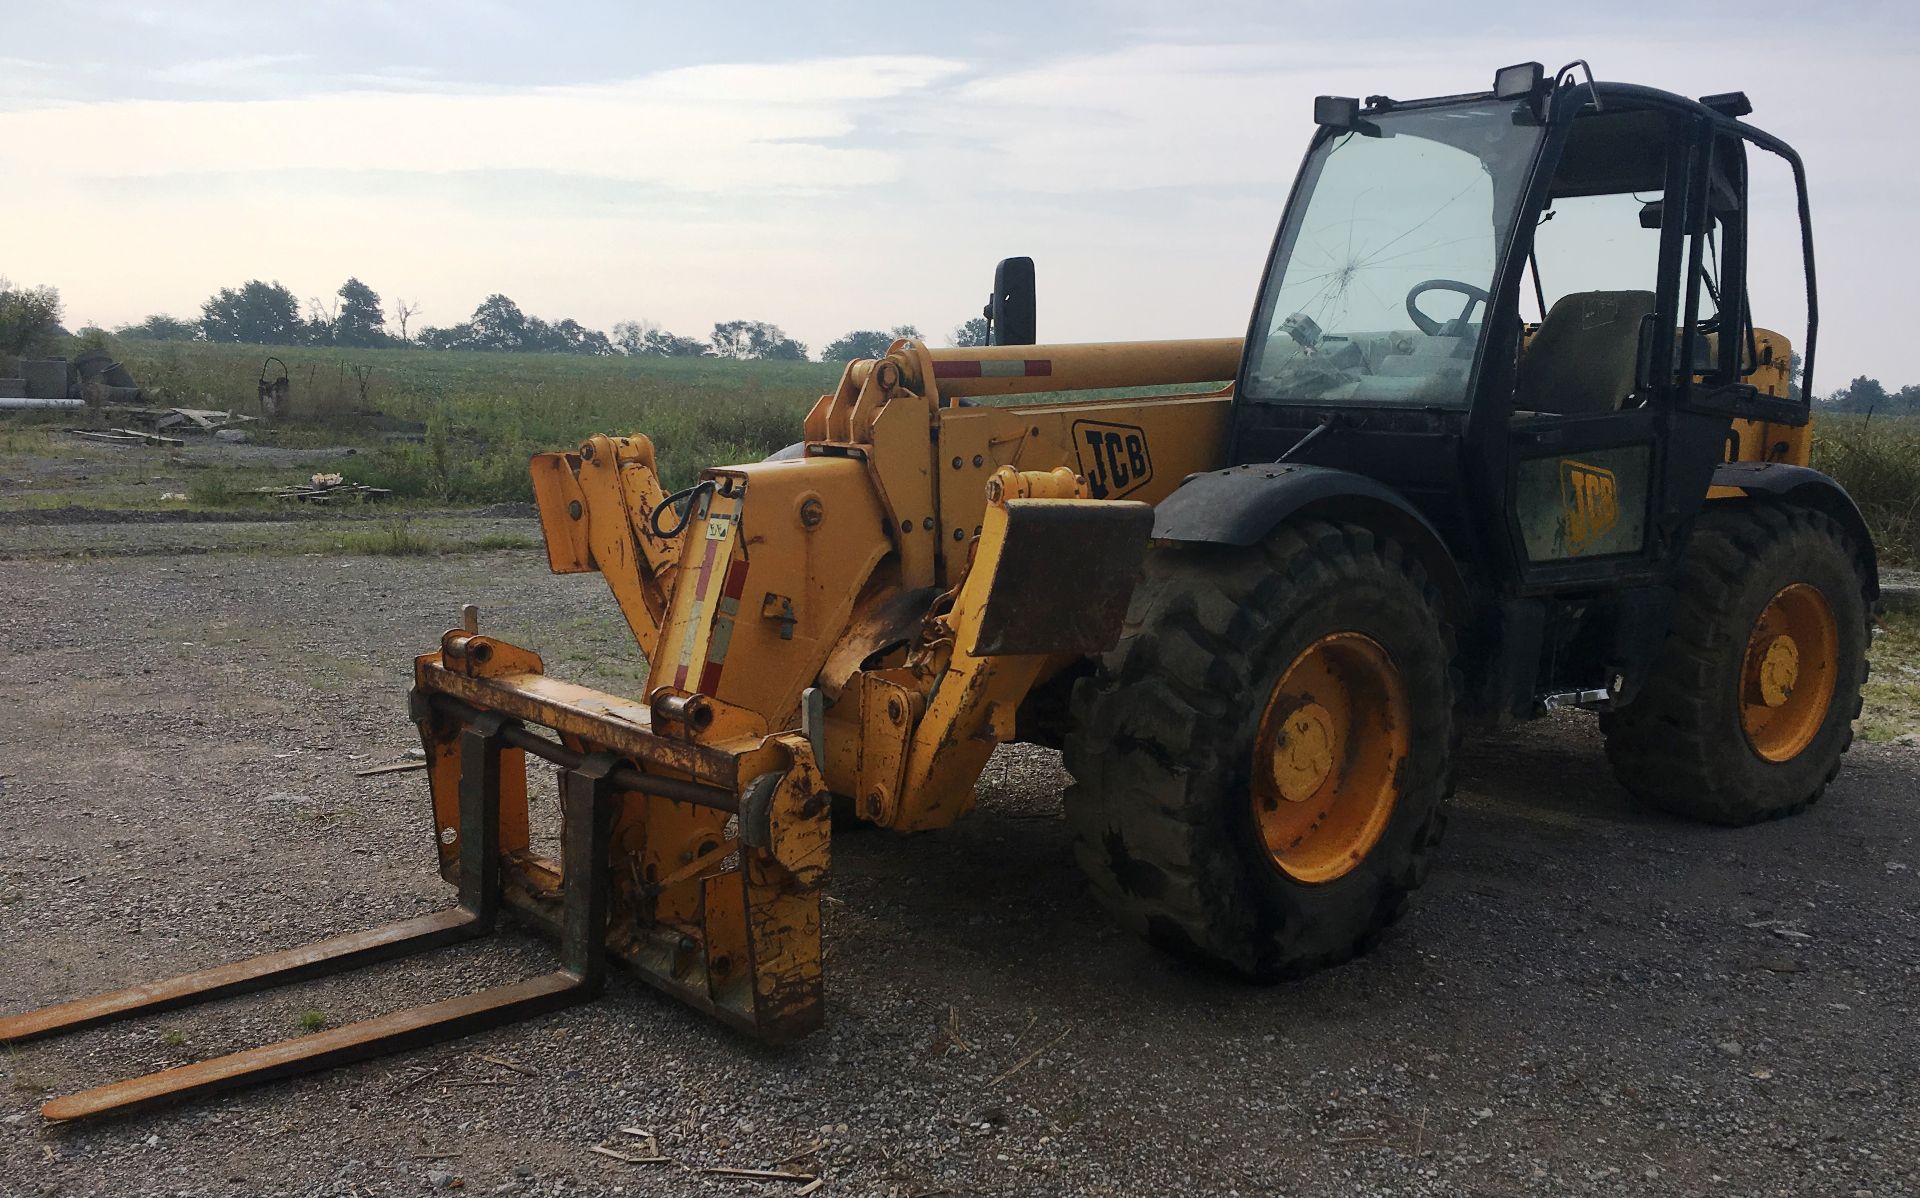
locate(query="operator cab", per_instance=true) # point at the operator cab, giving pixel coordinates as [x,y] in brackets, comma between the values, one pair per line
[1509,306]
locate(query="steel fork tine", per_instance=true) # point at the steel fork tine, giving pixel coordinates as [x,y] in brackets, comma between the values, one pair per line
[588,793]
[479,838]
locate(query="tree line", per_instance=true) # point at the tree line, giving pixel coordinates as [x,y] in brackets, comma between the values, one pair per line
[1870,396]
[262,313]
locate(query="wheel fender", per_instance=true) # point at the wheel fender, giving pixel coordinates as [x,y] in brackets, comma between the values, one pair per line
[1241,505]
[1806,487]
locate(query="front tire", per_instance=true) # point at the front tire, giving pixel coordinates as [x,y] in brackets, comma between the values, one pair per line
[1751,704]
[1262,764]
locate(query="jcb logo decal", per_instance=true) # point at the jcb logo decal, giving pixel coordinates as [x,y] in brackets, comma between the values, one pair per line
[1591,501]
[1113,457]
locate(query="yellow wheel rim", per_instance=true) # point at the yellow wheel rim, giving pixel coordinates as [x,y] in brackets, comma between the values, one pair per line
[1787,679]
[1327,758]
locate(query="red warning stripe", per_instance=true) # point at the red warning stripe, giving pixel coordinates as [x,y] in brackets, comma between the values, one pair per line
[692,634]
[721,636]
[1014,368]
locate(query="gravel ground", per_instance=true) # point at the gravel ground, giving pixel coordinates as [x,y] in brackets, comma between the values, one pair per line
[79,532]
[1588,998]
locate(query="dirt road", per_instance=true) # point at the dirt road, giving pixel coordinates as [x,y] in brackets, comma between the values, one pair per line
[1588,998]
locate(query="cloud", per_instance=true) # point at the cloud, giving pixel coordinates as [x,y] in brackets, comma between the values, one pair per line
[860,191]
[773,128]
[243,71]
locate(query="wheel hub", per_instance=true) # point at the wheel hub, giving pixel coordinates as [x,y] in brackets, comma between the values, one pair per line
[1305,753]
[1787,680]
[1779,669]
[1327,757]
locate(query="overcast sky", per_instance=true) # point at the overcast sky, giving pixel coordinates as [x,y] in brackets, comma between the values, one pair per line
[836,165]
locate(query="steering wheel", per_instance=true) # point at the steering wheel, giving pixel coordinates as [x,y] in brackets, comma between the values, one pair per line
[1452,328]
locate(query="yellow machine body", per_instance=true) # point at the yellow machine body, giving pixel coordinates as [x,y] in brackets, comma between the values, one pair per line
[863,621]
[825,612]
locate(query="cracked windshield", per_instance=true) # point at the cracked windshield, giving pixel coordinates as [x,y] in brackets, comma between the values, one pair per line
[1389,257]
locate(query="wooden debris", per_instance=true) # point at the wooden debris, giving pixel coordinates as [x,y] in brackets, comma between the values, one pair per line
[416,1079]
[525,1070]
[754,1174]
[648,1146]
[397,767]
[949,1041]
[1028,1059]
[628,1157]
[801,1154]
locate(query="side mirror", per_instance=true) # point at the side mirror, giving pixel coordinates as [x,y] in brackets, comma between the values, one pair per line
[1643,379]
[1011,313]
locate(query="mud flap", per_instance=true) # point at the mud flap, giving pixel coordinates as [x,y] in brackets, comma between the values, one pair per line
[1063,577]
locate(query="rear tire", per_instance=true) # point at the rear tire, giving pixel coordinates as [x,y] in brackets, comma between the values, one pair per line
[1751,704]
[1173,807]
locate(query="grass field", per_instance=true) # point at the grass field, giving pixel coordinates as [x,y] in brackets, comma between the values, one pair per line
[468,422]
[444,429]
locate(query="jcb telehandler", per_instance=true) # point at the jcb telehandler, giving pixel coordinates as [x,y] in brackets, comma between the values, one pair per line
[1256,615]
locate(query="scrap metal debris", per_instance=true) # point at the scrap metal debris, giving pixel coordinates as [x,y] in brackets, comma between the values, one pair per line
[326,488]
[158,426]
[126,436]
[185,420]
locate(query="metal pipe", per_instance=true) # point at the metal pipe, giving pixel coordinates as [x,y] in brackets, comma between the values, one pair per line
[624,778]
[1025,369]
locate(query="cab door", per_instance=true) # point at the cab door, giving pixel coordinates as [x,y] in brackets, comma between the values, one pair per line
[1606,461]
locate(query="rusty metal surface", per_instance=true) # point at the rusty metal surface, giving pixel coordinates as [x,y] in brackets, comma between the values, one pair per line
[1063,577]
[625,777]
[241,977]
[589,800]
[617,724]
[739,943]
[562,507]
[397,1032]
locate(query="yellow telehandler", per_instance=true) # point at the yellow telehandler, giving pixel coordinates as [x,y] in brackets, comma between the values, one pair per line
[1256,607]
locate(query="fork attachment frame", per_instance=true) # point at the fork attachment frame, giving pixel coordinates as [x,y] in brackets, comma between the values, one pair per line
[721,831]
[695,860]
[588,800]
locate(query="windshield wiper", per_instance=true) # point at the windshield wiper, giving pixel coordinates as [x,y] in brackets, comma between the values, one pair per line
[1327,421]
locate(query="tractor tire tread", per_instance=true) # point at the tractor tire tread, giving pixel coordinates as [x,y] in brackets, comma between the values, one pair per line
[1148,754]
[1662,746]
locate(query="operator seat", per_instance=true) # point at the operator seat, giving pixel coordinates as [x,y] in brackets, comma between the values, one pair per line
[1582,359]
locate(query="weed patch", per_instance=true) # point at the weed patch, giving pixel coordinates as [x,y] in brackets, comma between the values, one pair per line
[393,538]
[1877,459]
[1890,706]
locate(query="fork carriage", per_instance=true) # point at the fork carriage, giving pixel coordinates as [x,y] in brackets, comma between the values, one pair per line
[724,847]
